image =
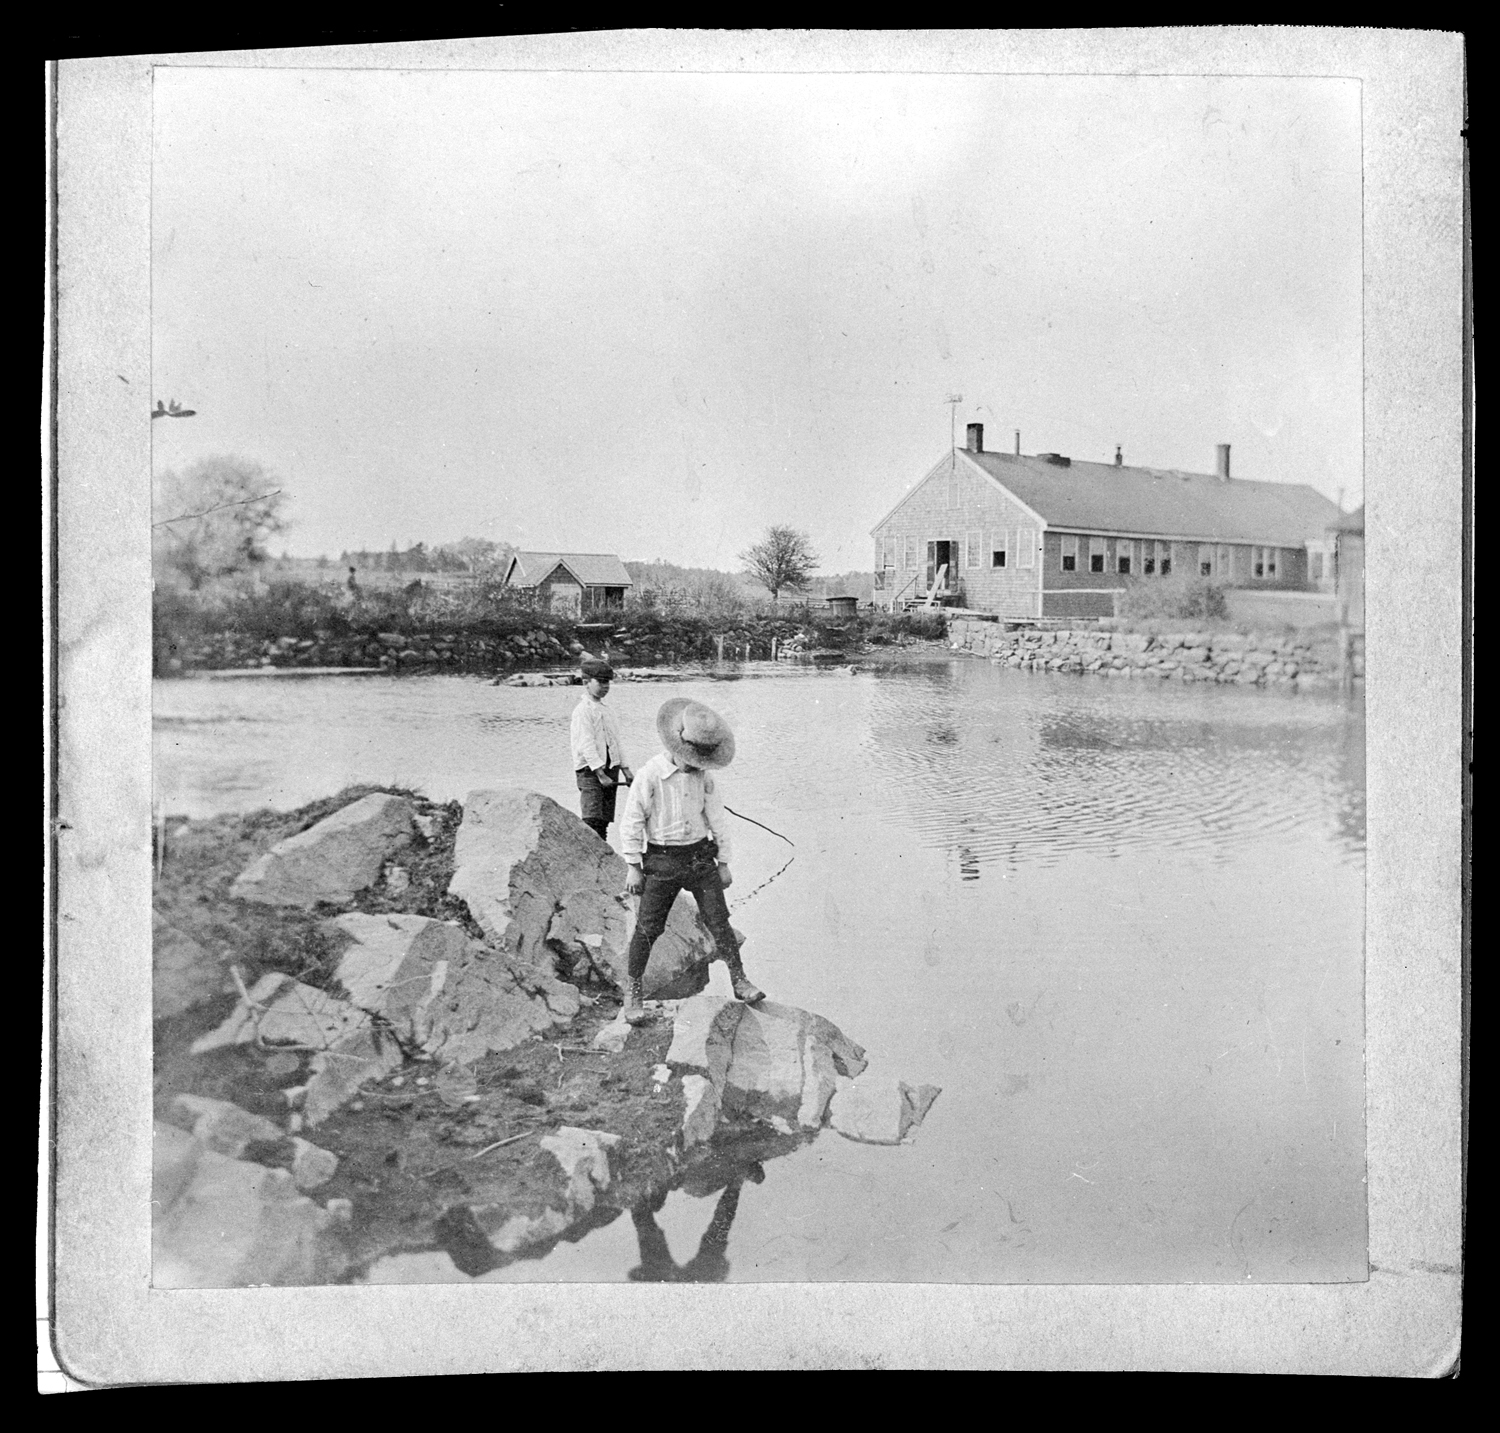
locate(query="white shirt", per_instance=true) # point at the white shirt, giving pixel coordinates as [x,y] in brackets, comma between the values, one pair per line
[595,735]
[668,806]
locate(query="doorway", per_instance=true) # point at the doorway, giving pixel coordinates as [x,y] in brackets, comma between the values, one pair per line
[940,555]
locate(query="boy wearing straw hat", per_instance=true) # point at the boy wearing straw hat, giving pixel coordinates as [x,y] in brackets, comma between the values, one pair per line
[675,837]
[599,763]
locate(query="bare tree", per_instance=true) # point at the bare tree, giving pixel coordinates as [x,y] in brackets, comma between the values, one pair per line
[782,559]
[213,519]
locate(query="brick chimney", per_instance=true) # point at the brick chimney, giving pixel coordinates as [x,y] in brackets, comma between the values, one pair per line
[1222,465]
[1119,456]
[976,438]
[1018,442]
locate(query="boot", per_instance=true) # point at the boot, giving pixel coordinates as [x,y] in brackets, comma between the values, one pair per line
[744,988]
[635,1003]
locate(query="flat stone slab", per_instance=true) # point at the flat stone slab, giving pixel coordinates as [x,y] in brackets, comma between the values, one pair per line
[333,860]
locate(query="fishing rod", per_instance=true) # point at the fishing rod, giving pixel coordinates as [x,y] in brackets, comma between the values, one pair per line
[761,824]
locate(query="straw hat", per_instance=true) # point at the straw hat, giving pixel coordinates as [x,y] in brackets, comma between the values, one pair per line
[694,733]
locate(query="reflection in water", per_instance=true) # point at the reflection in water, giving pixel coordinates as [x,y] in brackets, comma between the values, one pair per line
[710,1265]
[723,1170]
[993,770]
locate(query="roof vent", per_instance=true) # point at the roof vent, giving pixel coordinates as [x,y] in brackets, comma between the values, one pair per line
[1056,459]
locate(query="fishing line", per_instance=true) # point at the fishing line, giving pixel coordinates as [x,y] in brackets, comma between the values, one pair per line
[762,885]
[761,824]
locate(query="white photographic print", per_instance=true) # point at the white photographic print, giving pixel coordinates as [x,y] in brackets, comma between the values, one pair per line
[755,675]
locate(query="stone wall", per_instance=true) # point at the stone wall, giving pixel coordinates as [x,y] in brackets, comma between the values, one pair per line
[1292,660]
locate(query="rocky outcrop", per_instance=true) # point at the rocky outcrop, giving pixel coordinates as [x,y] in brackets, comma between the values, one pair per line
[333,860]
[541,884]
[416,983]
[221,1222]
[879,1109]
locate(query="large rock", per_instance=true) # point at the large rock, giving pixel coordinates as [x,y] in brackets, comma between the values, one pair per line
[183,973]
[879,1109]
[703,1035]
[540,883]
[331,861]
[398,965]
[700,1113]
[339,1072]
[768,1062]
[283,1011]
[491,1002]
[222,1223]
[224,1127]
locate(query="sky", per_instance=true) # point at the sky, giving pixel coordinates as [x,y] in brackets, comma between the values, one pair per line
[653,314]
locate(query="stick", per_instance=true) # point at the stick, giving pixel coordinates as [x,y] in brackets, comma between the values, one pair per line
[761,824]
[500,1143]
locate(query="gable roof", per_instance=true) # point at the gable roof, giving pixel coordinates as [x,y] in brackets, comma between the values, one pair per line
[590,569]
[1100,497]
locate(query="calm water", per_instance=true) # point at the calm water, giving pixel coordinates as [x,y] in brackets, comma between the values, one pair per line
[1120,923]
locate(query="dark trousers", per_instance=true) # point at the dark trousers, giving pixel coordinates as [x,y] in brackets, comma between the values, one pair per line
[669,869]
[597,803]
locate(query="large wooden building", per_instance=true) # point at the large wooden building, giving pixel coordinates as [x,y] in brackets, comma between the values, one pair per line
[569,581]
[1047,536]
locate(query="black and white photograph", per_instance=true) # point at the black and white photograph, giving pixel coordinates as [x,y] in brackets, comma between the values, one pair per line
[757,676]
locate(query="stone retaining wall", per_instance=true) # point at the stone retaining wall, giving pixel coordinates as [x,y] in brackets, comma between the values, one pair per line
[1291,660]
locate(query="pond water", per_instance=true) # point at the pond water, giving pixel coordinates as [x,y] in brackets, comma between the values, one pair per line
[1120,923]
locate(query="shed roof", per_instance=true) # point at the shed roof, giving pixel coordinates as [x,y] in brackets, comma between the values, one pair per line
[1165,501]
[592,569]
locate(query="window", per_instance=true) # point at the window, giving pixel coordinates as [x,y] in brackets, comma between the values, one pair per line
[1272,553]
[1096,554]
[1124,553]
[1165,558]
[1205,562]
[911,552]
[1069,553]
[1026,547]
[1148,558]
[973,543]
[1259,566]
[1315,566]
[999,548]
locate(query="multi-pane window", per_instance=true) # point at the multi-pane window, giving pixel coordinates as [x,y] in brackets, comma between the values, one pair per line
[911,552]
[1096,554]
[973,545]
[999,551]
[1263,562]
[1124,554]
[1069,553]
[1026,547]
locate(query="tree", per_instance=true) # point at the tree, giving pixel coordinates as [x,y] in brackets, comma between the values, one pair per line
[213,519]
[783,558]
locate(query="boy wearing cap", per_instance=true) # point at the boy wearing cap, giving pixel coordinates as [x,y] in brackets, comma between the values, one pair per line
[675,837]
[598,753]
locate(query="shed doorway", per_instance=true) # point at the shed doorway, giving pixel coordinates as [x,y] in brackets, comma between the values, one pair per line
[940,555]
